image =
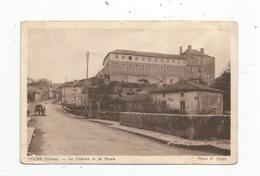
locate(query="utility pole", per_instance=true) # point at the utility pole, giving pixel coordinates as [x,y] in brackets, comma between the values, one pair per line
[87,60]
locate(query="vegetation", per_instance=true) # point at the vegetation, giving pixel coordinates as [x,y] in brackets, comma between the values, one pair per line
[223,82]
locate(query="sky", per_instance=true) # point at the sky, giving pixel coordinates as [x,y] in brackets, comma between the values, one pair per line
[59,54]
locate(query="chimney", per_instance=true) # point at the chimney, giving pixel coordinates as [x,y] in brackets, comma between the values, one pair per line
[180,50]
[189,47]
[202,50]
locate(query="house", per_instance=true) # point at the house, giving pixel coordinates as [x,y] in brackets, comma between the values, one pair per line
[34,94]
[45,89]
[189,97]
[75,92]
[139,66]
[71,93]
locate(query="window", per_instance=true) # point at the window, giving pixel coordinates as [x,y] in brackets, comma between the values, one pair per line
[149,59]
[171,80]
[172,61]
[116,65]
[182,94]
[168,61]
[142,67]
[75,98]
[136,58]
[179,70]
[117,56]
[163,95]
[169,69]
[182,103]
[74,90]
[130,57]
[143,59]
[162,60]
[123,57]
[155,59]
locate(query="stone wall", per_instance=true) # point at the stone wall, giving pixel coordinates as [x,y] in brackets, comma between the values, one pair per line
[173,100]
[109,115]
[210,103]
[185,126]
[76,111]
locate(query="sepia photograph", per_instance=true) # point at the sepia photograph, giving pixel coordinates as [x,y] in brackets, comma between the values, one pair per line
[121,92]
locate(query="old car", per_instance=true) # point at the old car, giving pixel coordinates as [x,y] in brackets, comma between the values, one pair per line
[39,109]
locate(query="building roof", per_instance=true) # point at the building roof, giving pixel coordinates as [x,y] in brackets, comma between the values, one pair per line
[143,53]
[185,86]
[194,53]
[147,54]
[158,55]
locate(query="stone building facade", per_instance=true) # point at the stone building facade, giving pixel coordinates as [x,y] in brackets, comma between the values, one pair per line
[74,92]
[136,66]
[189,97]
[71,94]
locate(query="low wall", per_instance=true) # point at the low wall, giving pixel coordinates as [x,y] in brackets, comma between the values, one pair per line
[109,115]
[185,126]
[75,111]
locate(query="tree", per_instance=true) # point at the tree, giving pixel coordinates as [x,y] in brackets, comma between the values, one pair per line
[223,82]
[43,81]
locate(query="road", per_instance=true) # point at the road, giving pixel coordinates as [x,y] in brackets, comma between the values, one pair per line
[61,134]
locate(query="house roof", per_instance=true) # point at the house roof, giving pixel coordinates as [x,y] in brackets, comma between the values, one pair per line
[81,82]
[143,53]
[68,84]
[185,86]
[33,89]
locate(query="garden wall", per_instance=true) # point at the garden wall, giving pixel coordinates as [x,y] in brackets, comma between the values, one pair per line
[109,115]
[78,112]
[185,126]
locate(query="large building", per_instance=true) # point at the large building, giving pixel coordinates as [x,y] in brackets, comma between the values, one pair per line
[136,66]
